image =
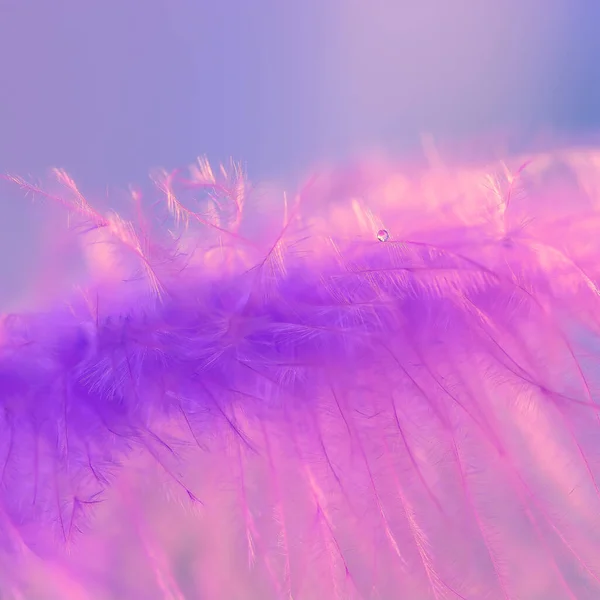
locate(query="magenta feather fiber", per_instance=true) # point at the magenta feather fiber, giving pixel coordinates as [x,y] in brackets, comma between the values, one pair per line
[384,387]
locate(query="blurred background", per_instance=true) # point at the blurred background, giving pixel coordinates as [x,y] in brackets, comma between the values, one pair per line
[108,89]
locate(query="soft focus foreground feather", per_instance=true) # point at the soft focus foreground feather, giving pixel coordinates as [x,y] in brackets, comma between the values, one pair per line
[254,400]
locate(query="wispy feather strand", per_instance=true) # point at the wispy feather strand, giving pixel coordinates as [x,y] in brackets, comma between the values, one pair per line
[250,400]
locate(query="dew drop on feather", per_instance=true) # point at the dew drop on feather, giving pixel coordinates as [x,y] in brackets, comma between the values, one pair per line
[383,235]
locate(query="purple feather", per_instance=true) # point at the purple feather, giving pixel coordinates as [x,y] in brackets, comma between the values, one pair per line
[386,387]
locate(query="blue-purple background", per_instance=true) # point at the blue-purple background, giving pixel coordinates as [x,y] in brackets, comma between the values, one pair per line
[111,88]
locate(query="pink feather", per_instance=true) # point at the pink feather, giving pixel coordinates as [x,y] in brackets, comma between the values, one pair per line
[383,387]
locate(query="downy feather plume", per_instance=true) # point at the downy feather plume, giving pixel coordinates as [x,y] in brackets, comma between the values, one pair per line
[385,386]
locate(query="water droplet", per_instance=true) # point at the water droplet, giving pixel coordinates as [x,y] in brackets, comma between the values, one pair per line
[383,235]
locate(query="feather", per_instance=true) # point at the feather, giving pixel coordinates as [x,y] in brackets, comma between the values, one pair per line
[385,387]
